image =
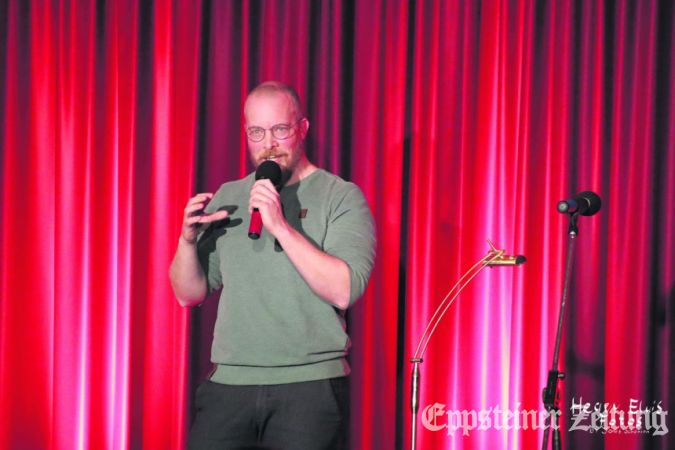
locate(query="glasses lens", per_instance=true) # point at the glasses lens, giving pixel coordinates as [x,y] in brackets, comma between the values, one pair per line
[281,131]
[255,133]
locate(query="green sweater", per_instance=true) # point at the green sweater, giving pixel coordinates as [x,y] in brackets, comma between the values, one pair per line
[271,328]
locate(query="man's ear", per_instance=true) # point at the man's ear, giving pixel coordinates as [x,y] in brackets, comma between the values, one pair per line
[304,127]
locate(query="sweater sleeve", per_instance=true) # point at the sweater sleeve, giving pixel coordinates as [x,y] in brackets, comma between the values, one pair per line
[350,236]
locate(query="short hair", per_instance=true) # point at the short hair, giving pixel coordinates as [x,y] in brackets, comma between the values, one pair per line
[277,87]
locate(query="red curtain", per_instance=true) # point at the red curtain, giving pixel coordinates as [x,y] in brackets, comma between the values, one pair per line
[461,121]
[515,106]
[98,134]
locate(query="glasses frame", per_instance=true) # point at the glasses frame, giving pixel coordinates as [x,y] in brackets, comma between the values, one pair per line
[271,130]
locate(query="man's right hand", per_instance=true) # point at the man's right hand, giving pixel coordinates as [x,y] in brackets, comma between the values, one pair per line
[194,221]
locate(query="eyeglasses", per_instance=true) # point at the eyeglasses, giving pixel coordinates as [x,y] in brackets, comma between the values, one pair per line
[279,131]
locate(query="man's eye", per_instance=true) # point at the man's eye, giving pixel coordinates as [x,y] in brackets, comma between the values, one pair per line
[281,129]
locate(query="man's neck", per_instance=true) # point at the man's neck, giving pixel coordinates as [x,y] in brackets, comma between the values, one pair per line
[302,170]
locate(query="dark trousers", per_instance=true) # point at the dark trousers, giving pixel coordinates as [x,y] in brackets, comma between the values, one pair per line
[295,416]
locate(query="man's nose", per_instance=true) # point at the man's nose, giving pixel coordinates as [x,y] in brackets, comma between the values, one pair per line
[269,140]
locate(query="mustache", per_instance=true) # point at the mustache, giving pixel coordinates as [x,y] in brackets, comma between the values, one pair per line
[271,154]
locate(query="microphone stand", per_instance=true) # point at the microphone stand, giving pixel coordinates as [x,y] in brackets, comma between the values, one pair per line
[550,394]
[493,258]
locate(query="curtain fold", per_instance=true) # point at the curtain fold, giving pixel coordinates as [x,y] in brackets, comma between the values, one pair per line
[377,146]
[460,122]
[99,120]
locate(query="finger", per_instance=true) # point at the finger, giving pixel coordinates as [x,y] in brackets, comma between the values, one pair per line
[256,202]
[200,198]
[194,220]
[265,208]
[192,208]
[207,218]
[218,215]
[265,184]
[264,181]
[264,195]
[197,200]
[266,189]
[261,201]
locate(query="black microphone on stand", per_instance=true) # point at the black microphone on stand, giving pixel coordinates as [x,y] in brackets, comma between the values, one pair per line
[268,170]
[585,203]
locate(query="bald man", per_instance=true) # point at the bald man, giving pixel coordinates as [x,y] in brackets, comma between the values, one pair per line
[280,339]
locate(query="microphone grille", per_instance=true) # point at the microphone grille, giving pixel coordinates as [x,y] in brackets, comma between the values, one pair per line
[594,203]
[269,170]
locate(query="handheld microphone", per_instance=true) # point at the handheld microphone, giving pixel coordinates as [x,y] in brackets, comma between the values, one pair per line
[268,170]
[585,203]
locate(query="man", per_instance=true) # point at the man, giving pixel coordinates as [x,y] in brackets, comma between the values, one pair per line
[279,342]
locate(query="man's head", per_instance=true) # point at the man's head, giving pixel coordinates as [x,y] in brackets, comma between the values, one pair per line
[276,127]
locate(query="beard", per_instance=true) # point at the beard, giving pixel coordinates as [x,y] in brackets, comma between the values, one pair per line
[286,175]
[292,158]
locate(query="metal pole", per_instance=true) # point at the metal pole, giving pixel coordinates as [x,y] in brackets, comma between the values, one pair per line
[414,400]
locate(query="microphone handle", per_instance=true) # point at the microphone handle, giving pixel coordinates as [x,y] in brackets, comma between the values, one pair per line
[255,227]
